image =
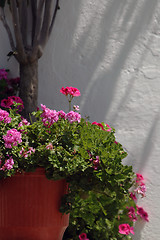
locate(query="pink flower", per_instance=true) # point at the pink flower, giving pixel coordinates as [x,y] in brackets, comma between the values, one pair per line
[3,74]
[73,117]
[8,164]
[62,114]
[12,138]
[142,213]
[70,91]
[125,229]
[23,123]
[4,116]
[83,236]
[49,116]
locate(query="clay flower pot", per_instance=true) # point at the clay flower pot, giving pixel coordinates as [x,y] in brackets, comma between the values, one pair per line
[29,207]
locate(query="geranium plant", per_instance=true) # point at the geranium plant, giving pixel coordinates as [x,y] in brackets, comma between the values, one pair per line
[101,197]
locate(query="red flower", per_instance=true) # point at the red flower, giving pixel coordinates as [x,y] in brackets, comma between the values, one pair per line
[8,102]
[125,229]
[83,236]
[100,125]
[70,91]
[142,213]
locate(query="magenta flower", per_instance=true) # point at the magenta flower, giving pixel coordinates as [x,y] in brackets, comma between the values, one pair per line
[83,236]
[142,213]
[133,196]
[4,116]
[17,100]
[12,138]
[139,178]
[62,114]
[23,123]
[74,92]
[8,102]
[73,117]
[132,214]
[49,116]
[125,229]
[8,164]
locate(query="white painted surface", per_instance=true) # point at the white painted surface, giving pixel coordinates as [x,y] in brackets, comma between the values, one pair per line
[110,50]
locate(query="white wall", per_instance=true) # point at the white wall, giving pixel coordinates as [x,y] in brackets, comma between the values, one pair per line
[110,50]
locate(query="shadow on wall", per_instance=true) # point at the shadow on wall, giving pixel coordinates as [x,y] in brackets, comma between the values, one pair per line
[150,144]
[118,29]
[91,46]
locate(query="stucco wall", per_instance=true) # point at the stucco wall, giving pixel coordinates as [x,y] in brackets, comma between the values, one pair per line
[110,50]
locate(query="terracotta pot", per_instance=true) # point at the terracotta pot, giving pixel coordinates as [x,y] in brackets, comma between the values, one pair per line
[29,206]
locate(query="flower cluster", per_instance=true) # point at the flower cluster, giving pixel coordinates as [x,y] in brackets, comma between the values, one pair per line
[12,138]
[70,93]
[73,117]
[74,92]
[7,165]
[134,212]
[8,102]
[51,116]
[142,213]
[141,188]
[4,116]
[125,229]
